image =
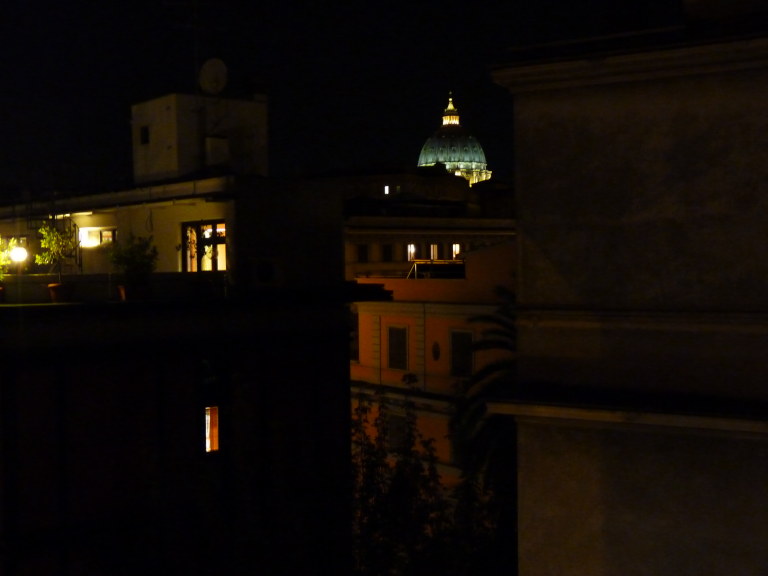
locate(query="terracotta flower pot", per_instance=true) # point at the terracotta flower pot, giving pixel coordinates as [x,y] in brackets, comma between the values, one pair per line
[60,292]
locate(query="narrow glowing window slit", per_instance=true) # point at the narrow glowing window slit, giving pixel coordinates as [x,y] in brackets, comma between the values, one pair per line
[211,428]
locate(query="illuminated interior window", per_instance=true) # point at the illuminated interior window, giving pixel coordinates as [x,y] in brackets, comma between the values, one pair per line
[434,251]
[90,236]
[386,189]
[205,246]
[211,428]
[456,250]
[411,251]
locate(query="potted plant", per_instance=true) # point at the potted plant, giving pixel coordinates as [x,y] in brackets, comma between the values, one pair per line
[136,259]
[57,245]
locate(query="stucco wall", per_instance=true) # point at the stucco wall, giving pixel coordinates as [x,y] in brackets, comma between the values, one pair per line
[645,195]
[162,221]
[640,502]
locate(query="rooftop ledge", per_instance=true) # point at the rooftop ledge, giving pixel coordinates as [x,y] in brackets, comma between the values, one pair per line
[636,66]
[610,416]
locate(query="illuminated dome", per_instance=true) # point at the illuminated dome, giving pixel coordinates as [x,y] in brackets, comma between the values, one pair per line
[459,151]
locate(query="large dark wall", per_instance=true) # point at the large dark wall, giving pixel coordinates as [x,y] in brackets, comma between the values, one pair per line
[641,202]
[645,195]
[102,461]
[640,186]
[604,500]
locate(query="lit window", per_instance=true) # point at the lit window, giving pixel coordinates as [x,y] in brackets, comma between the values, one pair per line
[456,250]
[205,246]
[386,189]
[411,251]
[90,237]
[211,428]
[434,251]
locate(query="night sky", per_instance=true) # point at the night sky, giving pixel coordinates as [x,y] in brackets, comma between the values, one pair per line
[350,88]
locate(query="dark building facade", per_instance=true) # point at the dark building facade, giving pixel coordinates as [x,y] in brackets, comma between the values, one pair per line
[104,461]
[641,212]
[190,435]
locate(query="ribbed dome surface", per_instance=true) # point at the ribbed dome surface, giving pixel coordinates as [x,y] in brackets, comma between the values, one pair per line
[452,146]
[451,143]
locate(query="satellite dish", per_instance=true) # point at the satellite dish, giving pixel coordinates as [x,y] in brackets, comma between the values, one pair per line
[213,76]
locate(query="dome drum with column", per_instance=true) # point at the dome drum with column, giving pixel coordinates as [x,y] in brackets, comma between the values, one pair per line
[453,147]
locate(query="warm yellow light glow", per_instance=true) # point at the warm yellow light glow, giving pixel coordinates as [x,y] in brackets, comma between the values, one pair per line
[450,120]
[211,428]
[411,251]
[89,237]
[451,115]
[18,254]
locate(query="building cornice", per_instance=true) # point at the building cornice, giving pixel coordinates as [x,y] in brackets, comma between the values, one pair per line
[157,193]
[698,322]
[605,416]
[436,309]
[410,223]
[635,67]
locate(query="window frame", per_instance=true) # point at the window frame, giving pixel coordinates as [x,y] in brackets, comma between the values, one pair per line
[387,253]
[363,253]
[354,334]
[214,242]
[395,354]
[212,429]
[462,368]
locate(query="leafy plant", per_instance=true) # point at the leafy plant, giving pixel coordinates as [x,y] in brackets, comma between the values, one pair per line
[474,433]
[57,244]
[136,258]
[485,444]
[400,515]
[5,255]
[404,522]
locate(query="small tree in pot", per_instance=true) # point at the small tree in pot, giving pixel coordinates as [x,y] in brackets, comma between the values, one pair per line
[136,259]
[57,245]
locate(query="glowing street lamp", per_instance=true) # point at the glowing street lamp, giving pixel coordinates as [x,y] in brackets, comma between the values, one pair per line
[18,254]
